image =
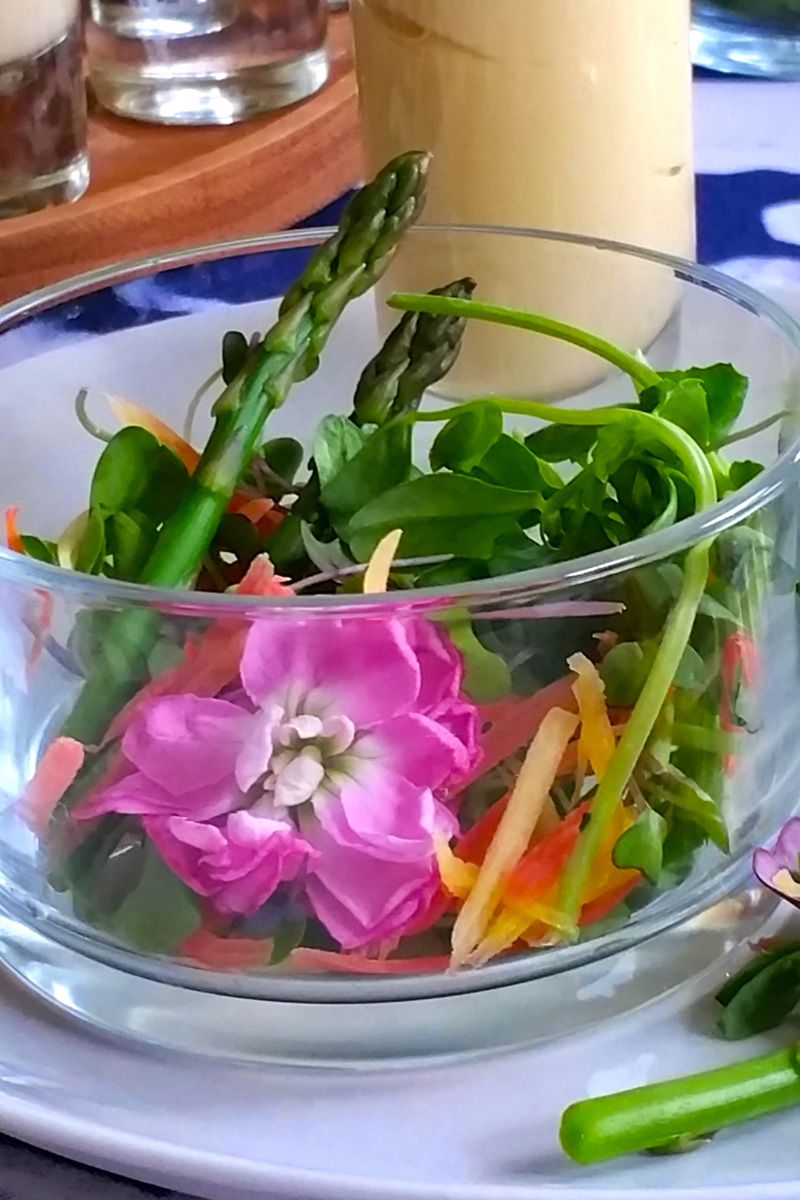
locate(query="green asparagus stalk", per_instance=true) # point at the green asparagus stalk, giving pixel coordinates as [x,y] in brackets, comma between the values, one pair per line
[349,264]
[651,1117]
[418,352]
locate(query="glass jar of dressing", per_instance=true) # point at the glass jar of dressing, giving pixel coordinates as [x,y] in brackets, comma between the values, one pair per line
[566,115]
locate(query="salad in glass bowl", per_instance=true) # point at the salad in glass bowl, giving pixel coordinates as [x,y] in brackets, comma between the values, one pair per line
[384,685]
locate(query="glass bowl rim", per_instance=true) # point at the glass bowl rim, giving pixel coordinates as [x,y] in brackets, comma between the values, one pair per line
[21,571]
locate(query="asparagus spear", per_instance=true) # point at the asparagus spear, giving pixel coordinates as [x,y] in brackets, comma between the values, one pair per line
[349,264]
[418,352]
[662,1113]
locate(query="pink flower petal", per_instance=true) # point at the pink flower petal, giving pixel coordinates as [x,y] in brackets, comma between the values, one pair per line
[383,815]
[185,743]
[135,793]
[440,664]
[389,897]
[363,666]
[422,750]
[237,864]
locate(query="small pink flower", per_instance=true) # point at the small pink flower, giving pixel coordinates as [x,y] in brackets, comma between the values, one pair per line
[339,754]
[237,862]
[778,868]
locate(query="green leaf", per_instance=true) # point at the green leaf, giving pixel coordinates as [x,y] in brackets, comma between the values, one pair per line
[383,462]
[743,472]
[287,938]
[160,913]
[135,471]
[691,672]
[486,675]
[462,443]
[624,671]
[509,463]
[562,443]
[641,848]
[39,549]
[685,405]
[282,458]
[765,997]
[441,514]
[130,539]
[695,803]
[336,442]
[91,551]
[763,958]
[234,354]
[725,393]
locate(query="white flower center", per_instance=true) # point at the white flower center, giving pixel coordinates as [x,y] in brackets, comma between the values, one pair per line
[300,748]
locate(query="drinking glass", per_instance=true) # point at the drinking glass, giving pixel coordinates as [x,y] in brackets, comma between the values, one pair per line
[205,62]
[748,37]
[42,105]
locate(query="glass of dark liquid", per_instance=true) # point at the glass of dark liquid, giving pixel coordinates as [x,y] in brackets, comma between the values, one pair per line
[43,156]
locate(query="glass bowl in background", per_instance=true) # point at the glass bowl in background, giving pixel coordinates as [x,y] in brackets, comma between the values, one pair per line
[93,918]
[748,37]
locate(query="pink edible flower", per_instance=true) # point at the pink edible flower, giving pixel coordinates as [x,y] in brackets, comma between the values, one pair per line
[778,868]
[334,763]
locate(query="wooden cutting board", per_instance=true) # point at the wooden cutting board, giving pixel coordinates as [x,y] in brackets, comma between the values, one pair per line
[155,188]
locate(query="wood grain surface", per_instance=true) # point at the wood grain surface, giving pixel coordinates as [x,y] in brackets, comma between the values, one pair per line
[156,188]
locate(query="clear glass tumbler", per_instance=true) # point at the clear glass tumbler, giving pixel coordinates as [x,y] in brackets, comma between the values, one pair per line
[748,37]
[205,62]
[571,115]
[42,105]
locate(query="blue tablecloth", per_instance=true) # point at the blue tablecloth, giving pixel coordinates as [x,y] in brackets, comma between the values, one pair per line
[748,199]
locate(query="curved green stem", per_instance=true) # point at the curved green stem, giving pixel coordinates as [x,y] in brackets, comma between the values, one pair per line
[674,641]
[445,306]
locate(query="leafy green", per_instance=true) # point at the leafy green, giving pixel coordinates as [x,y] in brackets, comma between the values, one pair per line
[440,514]
[135,471]
[336,442]
[624,671]
[641,848]
[383,462]
[762,995]
[463,442]
[486,675]
[234,355]
[40,548]
[160,913]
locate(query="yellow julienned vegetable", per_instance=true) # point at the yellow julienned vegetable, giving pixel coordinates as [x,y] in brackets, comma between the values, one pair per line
[376,576]
[515,830]
[597,742]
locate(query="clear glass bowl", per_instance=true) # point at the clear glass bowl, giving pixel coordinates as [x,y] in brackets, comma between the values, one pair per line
[94,919]
[748,37]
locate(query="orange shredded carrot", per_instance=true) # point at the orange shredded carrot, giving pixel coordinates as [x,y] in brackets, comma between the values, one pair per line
[225,954]
[128,413]
[513,722]
[58,767]
[13,540]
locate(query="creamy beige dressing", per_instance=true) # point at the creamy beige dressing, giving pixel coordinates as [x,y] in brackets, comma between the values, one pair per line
[28,27]
[572,115]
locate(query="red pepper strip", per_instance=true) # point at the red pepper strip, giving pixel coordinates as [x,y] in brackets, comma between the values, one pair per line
[472,845]
[541,867]
[13,540]
[514,721]
[225,954]
[738,662]
[601,906]
[305,959]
